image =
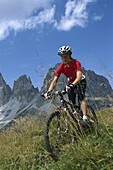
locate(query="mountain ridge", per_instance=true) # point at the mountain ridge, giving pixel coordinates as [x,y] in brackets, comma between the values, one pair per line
[24,98]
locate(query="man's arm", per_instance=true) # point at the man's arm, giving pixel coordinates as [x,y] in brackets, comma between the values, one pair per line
[78,78]
[53,84]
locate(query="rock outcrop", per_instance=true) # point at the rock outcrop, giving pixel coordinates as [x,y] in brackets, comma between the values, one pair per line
[23,89]
[5,91]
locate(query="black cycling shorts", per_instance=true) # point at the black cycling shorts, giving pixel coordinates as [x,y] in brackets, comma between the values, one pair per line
[78,89]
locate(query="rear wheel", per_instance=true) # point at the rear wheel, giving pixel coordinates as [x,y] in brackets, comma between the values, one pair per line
[91,125]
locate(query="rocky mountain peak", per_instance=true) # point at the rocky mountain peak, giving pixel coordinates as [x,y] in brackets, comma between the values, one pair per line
[2,81]
[23,89]
[5,91]
[97,85]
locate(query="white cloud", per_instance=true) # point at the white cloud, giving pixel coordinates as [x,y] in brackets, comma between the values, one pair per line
[98,17]
[20,15]
[75,14]
[17,15]
[19,9]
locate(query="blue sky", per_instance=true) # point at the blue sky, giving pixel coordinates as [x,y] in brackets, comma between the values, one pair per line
[32,31]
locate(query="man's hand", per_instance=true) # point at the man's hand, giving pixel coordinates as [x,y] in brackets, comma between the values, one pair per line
[46,95]
[69,87]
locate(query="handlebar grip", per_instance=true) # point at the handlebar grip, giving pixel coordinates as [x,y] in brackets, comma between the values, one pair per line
[64,92]
[44,95]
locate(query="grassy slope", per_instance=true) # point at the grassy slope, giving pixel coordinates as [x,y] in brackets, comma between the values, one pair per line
[22,147]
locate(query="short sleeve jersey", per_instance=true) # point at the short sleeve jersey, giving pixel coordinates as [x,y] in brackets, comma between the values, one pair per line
[69,71]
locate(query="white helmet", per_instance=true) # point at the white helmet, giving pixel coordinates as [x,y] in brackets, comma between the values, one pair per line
[64,50]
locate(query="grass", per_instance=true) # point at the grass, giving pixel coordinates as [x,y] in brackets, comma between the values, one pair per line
[22,147]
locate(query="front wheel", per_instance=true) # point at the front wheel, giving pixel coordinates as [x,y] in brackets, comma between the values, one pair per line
[58,132]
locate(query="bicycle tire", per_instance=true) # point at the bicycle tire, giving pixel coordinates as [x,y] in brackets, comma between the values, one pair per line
[52,138]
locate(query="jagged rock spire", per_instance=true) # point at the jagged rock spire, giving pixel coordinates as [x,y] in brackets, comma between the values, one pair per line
[5,91]
[23,89]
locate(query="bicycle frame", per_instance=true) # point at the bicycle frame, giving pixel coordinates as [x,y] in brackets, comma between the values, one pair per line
[66,104]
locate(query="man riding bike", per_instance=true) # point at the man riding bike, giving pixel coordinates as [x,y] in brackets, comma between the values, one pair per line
[72,69]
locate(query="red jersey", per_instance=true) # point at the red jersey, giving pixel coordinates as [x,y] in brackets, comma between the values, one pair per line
[69,71]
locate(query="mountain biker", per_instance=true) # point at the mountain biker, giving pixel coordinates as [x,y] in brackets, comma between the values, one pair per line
[72,69]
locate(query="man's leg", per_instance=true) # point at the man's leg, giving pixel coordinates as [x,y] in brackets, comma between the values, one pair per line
[71,95]
[81,92]
[84,108]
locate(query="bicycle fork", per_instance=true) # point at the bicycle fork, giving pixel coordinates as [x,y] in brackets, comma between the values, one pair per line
[64,126]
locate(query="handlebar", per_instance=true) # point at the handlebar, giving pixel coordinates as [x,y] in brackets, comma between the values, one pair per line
[60,93]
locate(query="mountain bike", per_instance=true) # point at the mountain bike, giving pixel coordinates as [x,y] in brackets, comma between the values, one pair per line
[65,124]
